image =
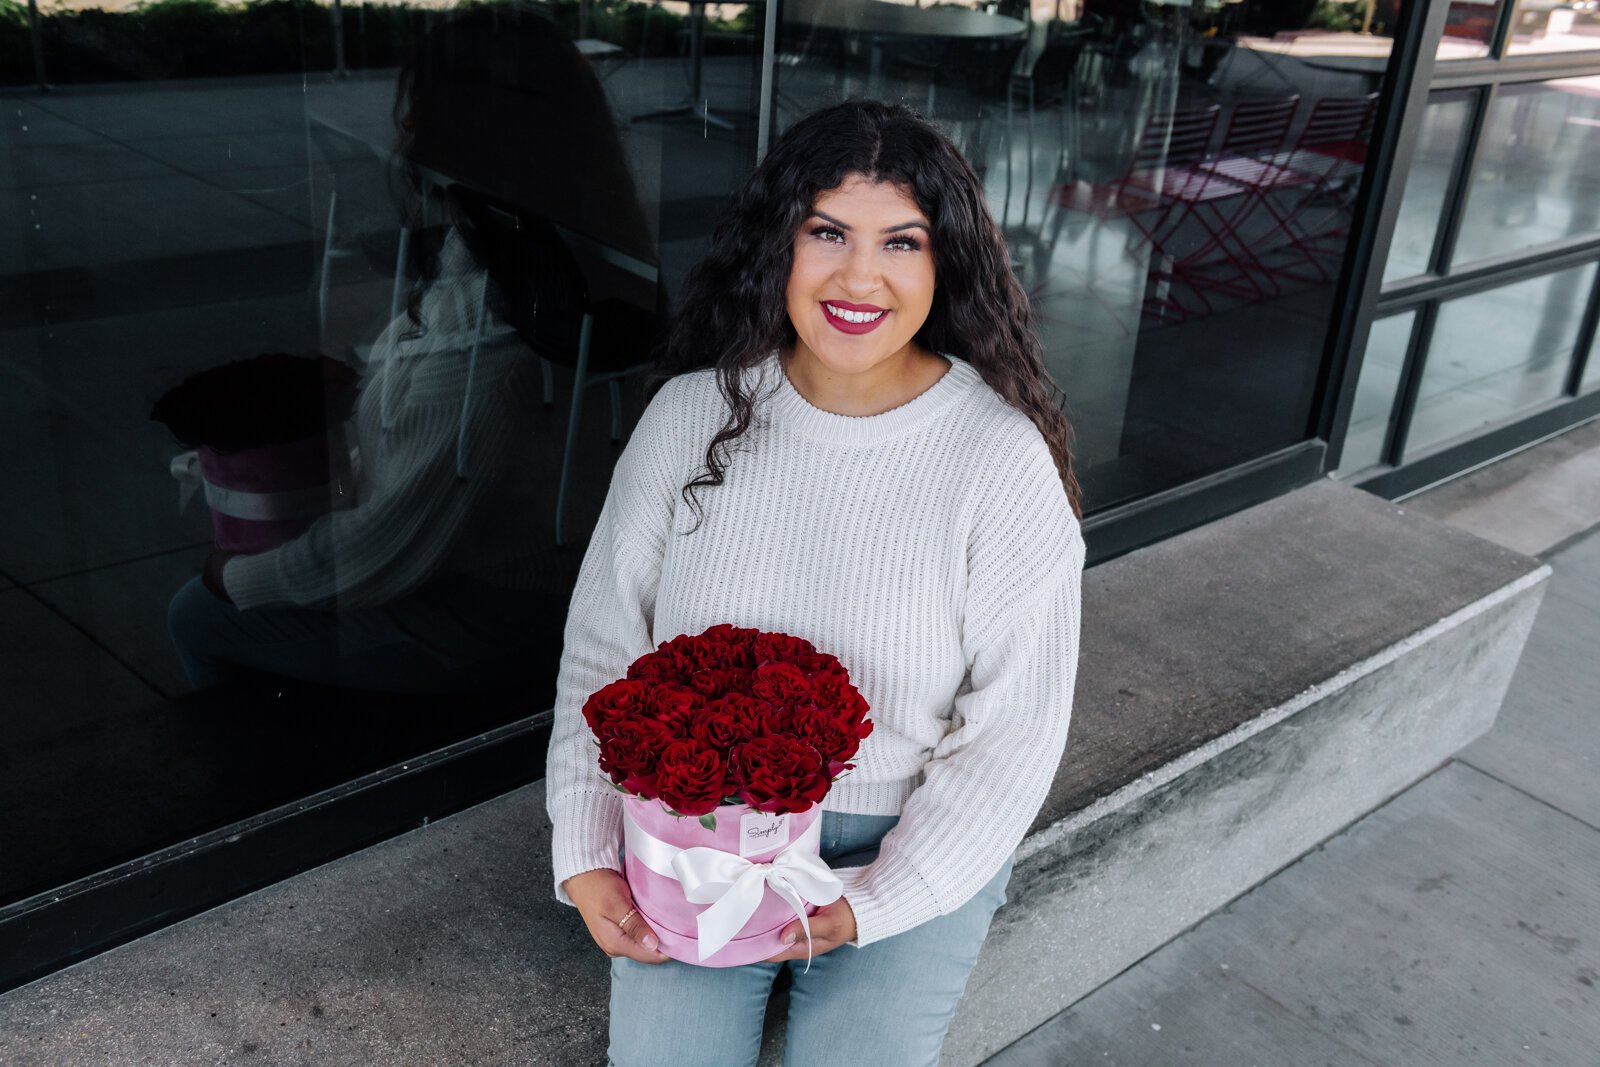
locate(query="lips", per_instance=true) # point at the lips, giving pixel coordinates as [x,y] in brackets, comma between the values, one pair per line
[830,309]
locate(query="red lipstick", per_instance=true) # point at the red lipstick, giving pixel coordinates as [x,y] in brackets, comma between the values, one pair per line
[845,326]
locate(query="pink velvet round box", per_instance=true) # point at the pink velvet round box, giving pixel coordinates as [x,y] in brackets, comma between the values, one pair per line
[293,483]
[661,901]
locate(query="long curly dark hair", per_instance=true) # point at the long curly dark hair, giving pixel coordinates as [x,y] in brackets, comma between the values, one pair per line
[733,312]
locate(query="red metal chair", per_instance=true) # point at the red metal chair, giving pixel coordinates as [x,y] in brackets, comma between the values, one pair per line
[1324,166]
[1162,176]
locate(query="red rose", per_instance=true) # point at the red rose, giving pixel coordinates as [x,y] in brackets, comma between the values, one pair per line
[692,780]
[728,722]
[629,752]
[780,648]
[779,774]
[835,741]
[840,699]
[817,664]
[713,682]
[652,668]
[724,647]
[613,703]
[675,705]
[780,683]
[775,720]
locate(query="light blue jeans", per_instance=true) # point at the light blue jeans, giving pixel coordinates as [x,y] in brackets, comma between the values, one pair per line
[888,1004]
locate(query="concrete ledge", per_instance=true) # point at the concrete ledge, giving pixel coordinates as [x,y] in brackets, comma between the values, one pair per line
[1246,690]
[1415,630]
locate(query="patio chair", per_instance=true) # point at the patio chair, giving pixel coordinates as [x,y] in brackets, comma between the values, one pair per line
[545,298]
[1323,167]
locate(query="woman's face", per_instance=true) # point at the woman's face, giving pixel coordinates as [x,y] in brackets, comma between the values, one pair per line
[862,280]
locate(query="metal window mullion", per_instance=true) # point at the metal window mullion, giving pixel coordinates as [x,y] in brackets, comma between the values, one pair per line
[1487,274]
[1410,384]
[1402,112]
[1455,208]
[1500,39]
[1584,346]
[1542,66]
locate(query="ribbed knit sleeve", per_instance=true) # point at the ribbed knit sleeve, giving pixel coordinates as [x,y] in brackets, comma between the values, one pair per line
[396,538]
[988,777]
[609,625]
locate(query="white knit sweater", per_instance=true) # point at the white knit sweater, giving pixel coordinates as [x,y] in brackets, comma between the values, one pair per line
[930,547]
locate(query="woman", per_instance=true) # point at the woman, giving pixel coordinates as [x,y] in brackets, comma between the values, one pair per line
[886,475]
[435,580]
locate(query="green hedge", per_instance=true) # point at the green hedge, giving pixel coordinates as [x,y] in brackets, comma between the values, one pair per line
[164,39]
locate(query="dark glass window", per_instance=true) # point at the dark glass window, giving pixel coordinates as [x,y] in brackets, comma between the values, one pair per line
[1376,391]
[1177,184]
[430,199]
[1546,26]
[1496,354]
[1428,182]
[1536,178]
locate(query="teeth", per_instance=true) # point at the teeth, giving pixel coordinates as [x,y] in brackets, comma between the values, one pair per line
[853,316]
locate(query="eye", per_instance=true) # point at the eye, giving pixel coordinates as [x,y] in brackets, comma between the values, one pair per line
[905,243]
[830,234]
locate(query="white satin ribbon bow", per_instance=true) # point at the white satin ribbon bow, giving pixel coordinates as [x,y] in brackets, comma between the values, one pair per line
[733,885]
[259,507]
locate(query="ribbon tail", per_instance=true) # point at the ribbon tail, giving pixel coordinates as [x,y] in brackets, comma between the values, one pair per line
[185,469]
[718,924]
[795,901]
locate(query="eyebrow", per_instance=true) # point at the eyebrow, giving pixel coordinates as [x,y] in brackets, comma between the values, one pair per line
[887,229]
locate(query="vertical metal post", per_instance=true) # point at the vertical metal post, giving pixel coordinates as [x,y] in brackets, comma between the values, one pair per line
[1402,110]
[36,35]
[336,12]
[769,71]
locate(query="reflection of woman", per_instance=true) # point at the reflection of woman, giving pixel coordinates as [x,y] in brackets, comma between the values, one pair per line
[888,478]
[429,577]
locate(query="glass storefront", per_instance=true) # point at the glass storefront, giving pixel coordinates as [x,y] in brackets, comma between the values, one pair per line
[1536,179]
[1428,185]
[364,293]
[1376,391]
[1497,353]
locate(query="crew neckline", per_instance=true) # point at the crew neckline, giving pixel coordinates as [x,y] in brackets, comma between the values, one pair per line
[793,411]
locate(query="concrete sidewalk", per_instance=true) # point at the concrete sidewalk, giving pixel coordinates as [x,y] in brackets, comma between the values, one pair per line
[1452,926]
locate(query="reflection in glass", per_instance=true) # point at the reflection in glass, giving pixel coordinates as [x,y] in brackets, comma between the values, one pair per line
[1468,29]
[1176,183]
[1537,175]
[1496,354]
[492,258]
[1546,26]
[1591,368]
[1376,390]
[1427,183]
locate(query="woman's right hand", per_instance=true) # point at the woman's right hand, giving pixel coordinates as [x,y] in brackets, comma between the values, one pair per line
[606,905]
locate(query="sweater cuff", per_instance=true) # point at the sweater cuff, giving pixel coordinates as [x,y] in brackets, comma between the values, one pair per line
[249,581]
[888,897]
[587,836]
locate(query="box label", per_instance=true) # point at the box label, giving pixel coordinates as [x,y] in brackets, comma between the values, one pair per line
[761,832]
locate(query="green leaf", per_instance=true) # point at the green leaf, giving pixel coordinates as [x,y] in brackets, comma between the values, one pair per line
[709,821]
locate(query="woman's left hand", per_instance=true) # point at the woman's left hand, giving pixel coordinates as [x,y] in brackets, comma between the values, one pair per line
[831,927]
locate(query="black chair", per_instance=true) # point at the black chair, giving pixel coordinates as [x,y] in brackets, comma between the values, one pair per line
[543,294]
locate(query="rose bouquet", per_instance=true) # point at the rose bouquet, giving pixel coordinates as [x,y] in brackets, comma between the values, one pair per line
[725,744]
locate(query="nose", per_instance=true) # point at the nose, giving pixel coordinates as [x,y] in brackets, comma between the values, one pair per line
[860,275]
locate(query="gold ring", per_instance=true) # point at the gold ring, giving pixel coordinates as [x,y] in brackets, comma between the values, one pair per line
[622,922]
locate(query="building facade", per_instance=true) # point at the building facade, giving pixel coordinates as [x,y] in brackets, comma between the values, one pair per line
[1265,242]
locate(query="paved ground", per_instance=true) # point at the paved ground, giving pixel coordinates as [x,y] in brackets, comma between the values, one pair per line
[1454,925]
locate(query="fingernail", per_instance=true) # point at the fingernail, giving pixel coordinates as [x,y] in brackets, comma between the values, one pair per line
[651,943]
[790,937]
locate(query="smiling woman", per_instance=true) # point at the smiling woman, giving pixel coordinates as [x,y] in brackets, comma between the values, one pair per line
[859,291]
[904,497]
